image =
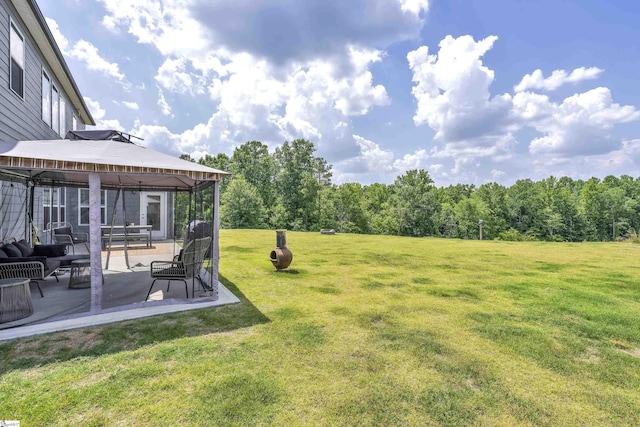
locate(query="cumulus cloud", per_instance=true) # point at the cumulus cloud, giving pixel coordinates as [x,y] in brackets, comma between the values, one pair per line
[163,104]
[88,53]
[99,114]
[282,31]
[452,90]
[131,105]
[174,76]
[582,124]
[85,52]
[536,80]
[268,92]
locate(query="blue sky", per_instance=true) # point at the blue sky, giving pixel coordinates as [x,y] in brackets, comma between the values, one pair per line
[472,91]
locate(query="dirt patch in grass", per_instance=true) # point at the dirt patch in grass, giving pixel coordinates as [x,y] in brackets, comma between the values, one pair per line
[635,352]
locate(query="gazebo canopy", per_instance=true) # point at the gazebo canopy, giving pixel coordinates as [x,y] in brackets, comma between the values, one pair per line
[120,165]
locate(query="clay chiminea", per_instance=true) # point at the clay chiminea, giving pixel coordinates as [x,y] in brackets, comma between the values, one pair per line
[281,257]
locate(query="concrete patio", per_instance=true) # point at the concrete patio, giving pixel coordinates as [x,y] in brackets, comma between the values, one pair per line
[124,295]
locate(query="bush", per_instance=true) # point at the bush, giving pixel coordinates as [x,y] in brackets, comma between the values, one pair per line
[513,235]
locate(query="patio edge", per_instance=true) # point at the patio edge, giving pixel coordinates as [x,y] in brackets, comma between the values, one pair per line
[225,297]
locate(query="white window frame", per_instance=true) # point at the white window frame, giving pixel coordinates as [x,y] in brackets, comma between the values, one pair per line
[59,205]
[14,28]
[46,97]
[55,109]
[74,123]
[63,117]
[81,206]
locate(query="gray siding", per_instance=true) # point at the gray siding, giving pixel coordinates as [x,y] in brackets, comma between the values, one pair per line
[21,119]
[132,202]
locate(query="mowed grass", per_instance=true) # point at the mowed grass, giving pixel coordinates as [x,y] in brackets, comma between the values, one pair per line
[362,330]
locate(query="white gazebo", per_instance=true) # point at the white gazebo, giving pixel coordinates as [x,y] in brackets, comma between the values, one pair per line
[107,164]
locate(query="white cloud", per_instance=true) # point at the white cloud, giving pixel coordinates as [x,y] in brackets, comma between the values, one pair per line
[536,80]
[173,76]
[415,6]
[452,90]
[85,52]
[582,124]
[416,160]
[255,95]
[60,39]
[98,113]
[88,53]
[163,104]
[131,105]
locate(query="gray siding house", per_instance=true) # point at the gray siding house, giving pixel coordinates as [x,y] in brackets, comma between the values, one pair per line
[39,100]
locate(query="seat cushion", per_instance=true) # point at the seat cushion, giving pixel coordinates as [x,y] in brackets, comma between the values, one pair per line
[23,259]
[51,266]
[25,248]
[50,250]
[12,251]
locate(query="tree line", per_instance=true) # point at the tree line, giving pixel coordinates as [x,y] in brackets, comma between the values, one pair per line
[291,188]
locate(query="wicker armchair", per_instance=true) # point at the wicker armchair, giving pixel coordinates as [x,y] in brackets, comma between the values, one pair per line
[187,267]
[62,233]
[31,270]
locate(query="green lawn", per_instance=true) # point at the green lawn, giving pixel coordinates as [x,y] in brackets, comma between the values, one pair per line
[363,330]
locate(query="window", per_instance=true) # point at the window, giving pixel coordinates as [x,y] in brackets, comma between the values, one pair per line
[83,206]
[46,98]
[74,123]
[54,210]
[63,117]
[16,70]
[55,110]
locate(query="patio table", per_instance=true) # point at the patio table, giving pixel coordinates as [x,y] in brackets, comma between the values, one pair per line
[15,299]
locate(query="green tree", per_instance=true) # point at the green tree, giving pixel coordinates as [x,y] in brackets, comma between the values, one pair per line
[595,210]
[253,161]
[242,206]
[415,203]
[468,213]
[350,211]
[300,178]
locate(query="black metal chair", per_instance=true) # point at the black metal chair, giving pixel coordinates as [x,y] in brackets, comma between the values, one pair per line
[62,234]
[186,267]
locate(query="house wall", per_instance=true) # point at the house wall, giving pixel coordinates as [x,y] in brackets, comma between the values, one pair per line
[21,119]
[132,204]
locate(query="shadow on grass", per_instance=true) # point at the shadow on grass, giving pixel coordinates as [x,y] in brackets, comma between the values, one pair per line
[129,335]
[287,271]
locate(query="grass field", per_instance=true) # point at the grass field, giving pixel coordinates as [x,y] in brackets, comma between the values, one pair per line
[363,330]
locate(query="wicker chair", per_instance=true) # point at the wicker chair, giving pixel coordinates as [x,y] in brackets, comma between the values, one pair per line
[31,270]
[187,267]
[62,233]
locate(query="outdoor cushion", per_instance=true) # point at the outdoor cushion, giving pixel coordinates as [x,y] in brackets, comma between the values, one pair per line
[63,230]
[3,254]
[12,251]
[50,266]
[25,248]
[24,259]
[50,250]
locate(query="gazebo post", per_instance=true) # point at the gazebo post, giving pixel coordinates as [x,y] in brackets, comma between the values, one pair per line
[216,237]
[95,242]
